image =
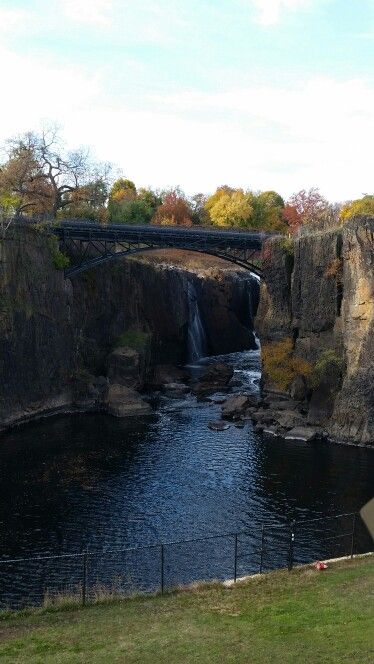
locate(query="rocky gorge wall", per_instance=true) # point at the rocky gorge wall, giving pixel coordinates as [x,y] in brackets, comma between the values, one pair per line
[57,335]
[318,292]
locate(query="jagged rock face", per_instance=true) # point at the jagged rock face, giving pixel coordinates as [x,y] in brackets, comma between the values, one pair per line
[353,416]
[325,310]
[54,331]
[37,341]
[313,293]
[273,319]
[126,367]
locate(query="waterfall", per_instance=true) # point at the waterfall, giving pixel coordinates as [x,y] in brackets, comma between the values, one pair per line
[250,309]
[252,313]
[196,339]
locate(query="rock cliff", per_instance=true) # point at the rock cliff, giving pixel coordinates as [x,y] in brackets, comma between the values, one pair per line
[57,335]
[320,294]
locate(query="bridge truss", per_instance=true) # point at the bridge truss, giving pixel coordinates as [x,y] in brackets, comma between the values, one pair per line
[89,245]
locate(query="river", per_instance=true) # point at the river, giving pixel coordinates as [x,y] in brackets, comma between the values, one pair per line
[98,482]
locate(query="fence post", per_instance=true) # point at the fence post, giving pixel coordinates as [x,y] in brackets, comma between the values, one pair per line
[162,569]
[236,557]
[353,534]
[84,578]
[262,547]
[291,546]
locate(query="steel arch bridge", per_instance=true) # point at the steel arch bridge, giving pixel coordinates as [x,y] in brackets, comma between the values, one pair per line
[90,244]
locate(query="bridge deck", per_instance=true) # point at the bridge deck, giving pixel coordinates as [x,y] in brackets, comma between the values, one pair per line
[170,235]
[92,244]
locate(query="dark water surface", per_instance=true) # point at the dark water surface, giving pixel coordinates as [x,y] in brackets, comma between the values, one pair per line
[100,482]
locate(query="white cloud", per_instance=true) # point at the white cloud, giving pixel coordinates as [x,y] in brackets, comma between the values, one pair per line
[94,12]
[262,137]
[39,90]
[12,19]
[269,12]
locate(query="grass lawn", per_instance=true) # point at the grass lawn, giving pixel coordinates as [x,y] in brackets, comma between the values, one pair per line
[305,616]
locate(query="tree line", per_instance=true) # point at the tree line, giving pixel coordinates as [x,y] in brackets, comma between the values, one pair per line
[39,178]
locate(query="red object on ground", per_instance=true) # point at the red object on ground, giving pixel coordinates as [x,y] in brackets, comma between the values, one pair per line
[320,566]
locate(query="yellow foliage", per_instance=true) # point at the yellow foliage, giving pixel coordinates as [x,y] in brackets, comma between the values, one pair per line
[363,205]
[230,208]
[282,366]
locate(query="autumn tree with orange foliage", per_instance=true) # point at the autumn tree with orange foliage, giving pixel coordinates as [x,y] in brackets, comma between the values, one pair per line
[306,207]
[42,177]
[174,210]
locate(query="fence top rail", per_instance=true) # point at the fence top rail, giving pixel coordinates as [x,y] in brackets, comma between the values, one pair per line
[325,518]
[103,552]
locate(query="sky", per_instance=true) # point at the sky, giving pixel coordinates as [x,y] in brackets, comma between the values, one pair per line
[259,94]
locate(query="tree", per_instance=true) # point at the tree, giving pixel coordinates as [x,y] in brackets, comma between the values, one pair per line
[212,200]
[247,209]
[20,181]
[44,176]
[199,213]
[230,208]
[8,204]
[123,190]
[364,205]
[87,202]
[268,207]
[174,210]
[306,208]
[129,206]
[292,217]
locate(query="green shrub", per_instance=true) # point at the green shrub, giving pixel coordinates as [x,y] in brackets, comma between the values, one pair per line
[60,260]
[287,245]
[282,366]
[135,339]
[328,368]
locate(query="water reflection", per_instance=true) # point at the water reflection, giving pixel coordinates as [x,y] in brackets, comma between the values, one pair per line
[102,482]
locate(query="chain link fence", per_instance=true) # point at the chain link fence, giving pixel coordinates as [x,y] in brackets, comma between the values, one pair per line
[90,575]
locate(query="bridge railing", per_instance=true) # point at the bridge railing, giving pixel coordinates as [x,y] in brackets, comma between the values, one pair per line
[54,222]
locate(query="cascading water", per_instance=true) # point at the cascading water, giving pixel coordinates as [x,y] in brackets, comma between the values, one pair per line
[196,338]
[250,309]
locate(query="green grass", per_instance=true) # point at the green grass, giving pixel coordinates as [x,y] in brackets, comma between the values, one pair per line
[299,617]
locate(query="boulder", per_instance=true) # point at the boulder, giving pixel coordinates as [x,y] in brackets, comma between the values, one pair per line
[215,377]
[175,390]
[89,391]
[218,426]
[236,406]
[263,416]
[298,389]
[282,405]
[235,382]
[289,419]
[218,373]
[321,405]
[167,374]
[125,402]
[306,434]
[125,367]
[276,432]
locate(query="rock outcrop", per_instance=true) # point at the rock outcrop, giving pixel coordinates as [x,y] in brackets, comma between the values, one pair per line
[215,377]
[125,402]
[117,321]
[323,299]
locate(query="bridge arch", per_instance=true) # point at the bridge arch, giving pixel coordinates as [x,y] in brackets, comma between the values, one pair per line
[101,259]
[91,244]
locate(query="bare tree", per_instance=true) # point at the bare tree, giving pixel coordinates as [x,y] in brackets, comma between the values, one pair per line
[43,175]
